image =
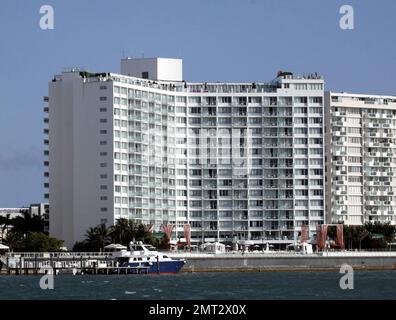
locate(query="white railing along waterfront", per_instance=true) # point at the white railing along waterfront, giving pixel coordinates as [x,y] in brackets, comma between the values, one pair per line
[60,255]
[278,254]
[358,254]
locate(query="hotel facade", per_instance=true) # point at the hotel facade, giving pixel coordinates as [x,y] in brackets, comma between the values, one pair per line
[237,162]
[361,158]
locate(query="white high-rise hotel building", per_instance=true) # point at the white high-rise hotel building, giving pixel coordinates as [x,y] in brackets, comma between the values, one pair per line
[361,155]
[236,161]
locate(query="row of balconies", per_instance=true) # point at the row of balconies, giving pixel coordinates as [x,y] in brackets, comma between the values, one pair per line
[379,163]
[379,212]
[378,115]
[380,154]
[377,183]
[380,174]
[379,193]
[380,135]
[378,203]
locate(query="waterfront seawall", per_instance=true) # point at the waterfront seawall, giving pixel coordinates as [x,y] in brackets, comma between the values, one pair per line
[239,263]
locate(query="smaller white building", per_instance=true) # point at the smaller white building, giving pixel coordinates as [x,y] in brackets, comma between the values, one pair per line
[361,158]
[39,209]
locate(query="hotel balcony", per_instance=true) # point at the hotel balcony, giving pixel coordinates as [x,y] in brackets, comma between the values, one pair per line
[340,192]
[373,203]
[340,212]
[340,153]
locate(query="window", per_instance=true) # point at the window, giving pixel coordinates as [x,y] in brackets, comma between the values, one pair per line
[355,130]
[354,150]
[103,143]
[103,187]
[103,120]
[103,131]
[315,120]
[103,98]
[301,86]
[300,99]
[254,99]
[300,131]
[315,110]
[355,179]
[316,172]
[195,110]
[355,140]
[103,209]
[103,176]
[103,198]
[196,100]
[103,109]
[103,165]
[103,87]
[300,120]
[225,100]
[354,159]
[317,193]
[316,151]
[181,109]
[145,75]
[195,193]
[315,130]
[300,110]
[103,154]
[317,100]
[302,193]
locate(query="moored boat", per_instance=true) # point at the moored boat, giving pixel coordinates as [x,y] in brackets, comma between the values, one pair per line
[147,258]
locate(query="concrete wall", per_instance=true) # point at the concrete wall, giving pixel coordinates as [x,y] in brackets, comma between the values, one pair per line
[239,263]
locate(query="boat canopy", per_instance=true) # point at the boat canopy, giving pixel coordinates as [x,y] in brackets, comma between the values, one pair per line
[115,247]
[4,247]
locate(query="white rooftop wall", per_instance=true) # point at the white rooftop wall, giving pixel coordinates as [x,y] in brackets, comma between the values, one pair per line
[158,68]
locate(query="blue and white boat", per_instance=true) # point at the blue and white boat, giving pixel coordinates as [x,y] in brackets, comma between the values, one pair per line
[148,259]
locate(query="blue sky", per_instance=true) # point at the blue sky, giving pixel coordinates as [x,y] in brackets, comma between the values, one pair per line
[222,40]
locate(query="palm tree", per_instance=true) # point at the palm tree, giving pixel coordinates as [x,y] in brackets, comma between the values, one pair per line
[3,225]
[97,237]
[26,223]
[103,235]
[91,235]
[123,231]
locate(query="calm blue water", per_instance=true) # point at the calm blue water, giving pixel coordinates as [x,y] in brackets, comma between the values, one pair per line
[266,285]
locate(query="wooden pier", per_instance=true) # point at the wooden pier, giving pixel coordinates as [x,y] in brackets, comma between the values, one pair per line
[65,263]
